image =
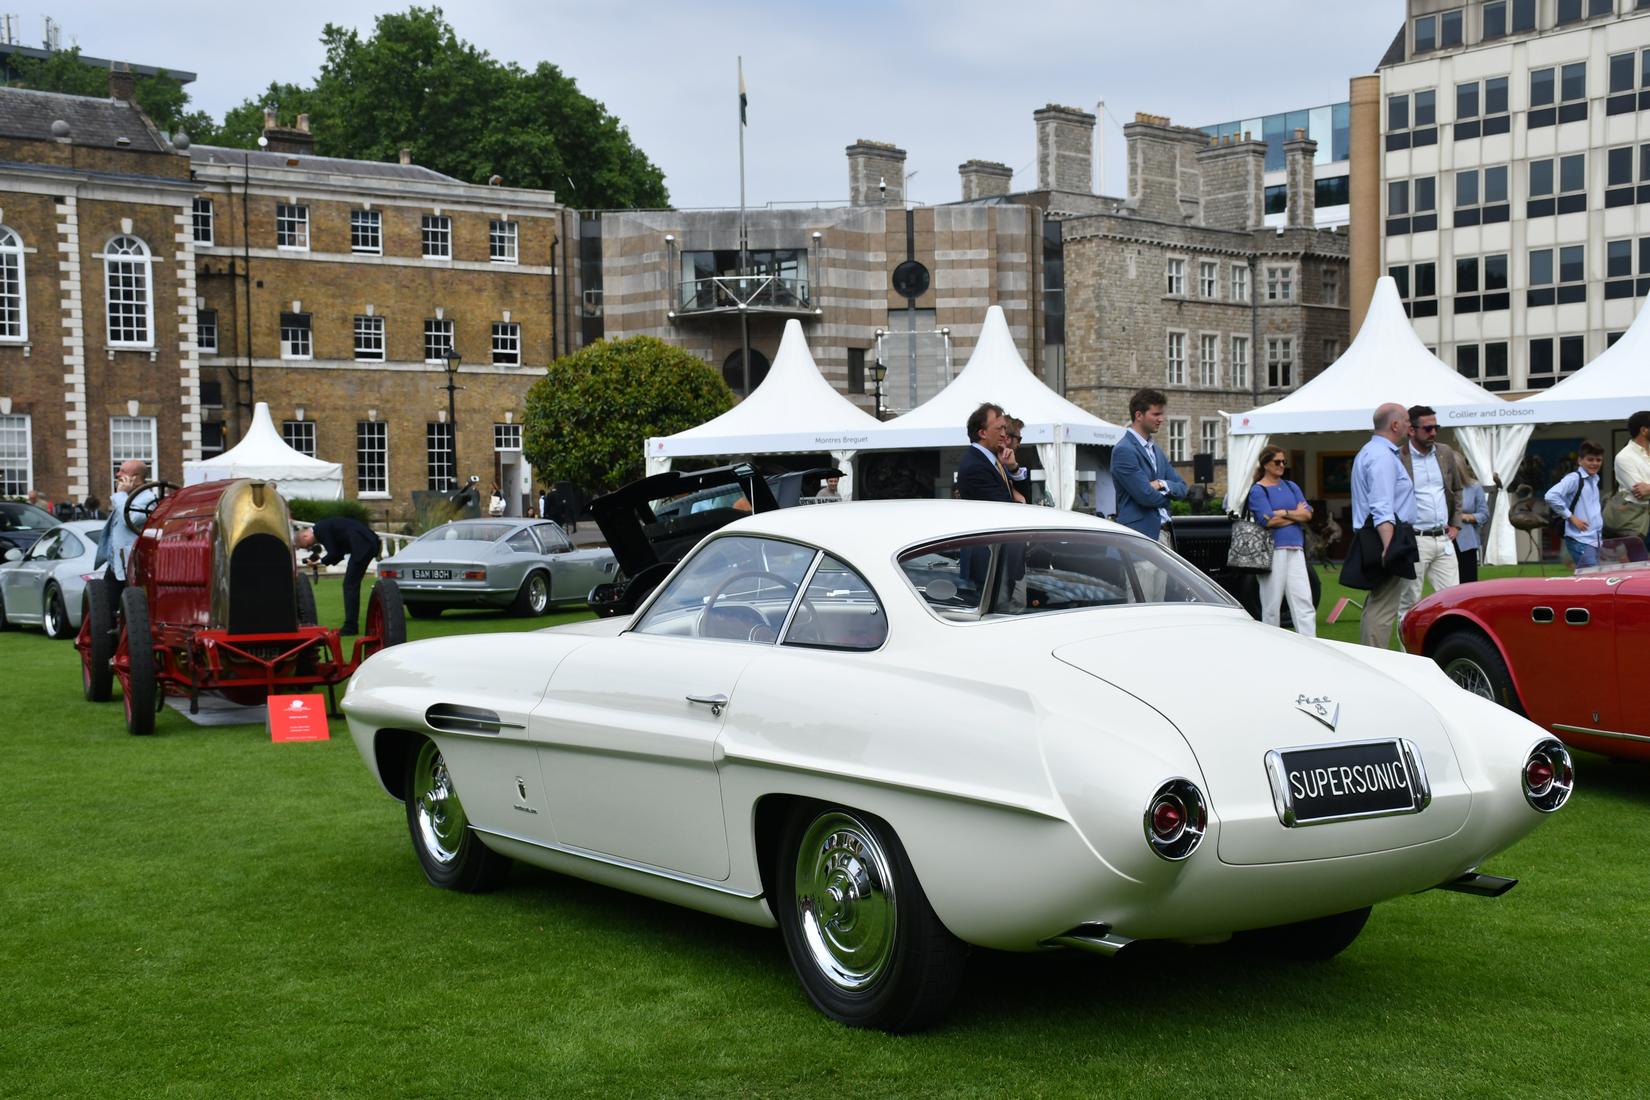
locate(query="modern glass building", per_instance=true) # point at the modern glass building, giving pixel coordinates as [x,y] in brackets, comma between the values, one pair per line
[1330,127]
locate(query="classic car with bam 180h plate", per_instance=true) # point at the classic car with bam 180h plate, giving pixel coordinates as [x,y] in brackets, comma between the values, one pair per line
[1568,652]
[896,728]
[525,565]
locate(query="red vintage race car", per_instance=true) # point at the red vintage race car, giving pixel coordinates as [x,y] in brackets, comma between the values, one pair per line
[1567,652]
[214,601]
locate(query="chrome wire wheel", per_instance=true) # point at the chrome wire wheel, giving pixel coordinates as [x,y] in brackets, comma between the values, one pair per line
[845,902]
[1471,676]
[440,815]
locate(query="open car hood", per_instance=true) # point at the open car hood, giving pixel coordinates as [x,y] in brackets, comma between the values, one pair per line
[641,539]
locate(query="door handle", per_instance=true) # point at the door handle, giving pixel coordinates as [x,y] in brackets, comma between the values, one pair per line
[714,702]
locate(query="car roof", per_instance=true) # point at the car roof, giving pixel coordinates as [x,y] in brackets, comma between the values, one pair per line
[875,528]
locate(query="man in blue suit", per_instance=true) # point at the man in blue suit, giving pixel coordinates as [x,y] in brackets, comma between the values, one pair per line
[1140,471]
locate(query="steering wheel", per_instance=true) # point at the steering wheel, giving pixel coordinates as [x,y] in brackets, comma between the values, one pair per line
[135,515]
[741,622]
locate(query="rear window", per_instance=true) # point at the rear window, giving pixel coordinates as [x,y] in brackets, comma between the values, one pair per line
[1033,572]
[468,532]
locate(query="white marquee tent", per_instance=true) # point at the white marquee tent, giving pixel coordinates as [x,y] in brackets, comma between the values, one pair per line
[996,373]
[264,455]
[1388,362]
[1610,388]
[793,411]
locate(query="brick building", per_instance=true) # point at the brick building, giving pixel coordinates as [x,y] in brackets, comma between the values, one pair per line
[164,289]
[97,348]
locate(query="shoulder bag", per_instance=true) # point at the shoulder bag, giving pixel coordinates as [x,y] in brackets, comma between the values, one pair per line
[1251,549]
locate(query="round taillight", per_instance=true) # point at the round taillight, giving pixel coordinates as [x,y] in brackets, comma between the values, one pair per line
[1175,820]
[1548,776]
[1168,817]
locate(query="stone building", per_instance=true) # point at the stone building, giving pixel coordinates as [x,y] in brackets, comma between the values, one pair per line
[1180,286]
[166,288]
[842,271]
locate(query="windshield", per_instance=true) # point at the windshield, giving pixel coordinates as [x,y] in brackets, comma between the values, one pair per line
[468,532]
[18,516]
[1031,572]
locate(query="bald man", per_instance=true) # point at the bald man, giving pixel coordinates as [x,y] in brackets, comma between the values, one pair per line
[1383,494]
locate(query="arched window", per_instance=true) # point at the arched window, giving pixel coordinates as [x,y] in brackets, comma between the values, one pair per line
[14,302]
[126,286]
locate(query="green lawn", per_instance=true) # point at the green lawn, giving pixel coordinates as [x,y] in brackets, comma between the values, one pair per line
[204,914]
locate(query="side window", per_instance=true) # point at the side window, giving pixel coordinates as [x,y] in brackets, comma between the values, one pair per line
[551,539]
[737,588]
[838,611]
[44,548]
[522,542]
[72,547]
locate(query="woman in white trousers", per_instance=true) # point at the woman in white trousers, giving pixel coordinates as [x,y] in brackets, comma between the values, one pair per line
[1279,505]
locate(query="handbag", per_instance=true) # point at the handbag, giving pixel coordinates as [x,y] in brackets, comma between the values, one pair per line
[1251,549]
[1626,515]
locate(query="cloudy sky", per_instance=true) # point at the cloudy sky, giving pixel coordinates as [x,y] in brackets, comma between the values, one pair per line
[947,80]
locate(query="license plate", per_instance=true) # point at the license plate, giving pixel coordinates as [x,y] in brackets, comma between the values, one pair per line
[432,574]
[1318,784]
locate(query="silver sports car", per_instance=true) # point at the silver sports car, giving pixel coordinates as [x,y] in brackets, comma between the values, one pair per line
[522,564]
[47,586]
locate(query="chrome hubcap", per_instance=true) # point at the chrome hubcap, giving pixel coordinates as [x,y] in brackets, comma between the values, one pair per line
[845,901]
[539,594]
[54,621]
[440,814]
[1470,675]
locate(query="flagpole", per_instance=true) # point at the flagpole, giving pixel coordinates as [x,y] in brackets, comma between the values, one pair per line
[744,244]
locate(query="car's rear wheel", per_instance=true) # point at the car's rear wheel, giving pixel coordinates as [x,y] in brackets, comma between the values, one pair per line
[139,687]
[452,856]
[304,594]
[97,645]
[861,935]
[533,598]
[1473,662]
[55,622]
[1309,940]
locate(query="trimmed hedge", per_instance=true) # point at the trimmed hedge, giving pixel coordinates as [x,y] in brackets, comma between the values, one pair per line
[313,511]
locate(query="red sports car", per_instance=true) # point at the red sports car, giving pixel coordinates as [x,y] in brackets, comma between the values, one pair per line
[1567,652]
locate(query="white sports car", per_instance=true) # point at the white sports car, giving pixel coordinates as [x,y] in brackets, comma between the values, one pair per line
[896,728]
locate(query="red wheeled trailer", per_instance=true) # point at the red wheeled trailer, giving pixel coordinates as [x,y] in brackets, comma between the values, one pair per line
[214,601]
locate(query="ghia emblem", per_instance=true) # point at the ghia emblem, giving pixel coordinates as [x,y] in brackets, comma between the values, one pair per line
[1323,708]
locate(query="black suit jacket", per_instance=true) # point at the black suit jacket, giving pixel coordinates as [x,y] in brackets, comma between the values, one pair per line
[979,479]
[341,536]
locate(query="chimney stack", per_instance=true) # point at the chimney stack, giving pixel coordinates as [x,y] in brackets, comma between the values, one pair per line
[283,139]
[122,85]
[1065,149]
[1298,154]
[983,179]
[876,174]
[1232,173]
[1165,179]
[406,155]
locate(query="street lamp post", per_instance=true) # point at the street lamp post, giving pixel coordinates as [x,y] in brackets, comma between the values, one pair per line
[879,371]
[453,361]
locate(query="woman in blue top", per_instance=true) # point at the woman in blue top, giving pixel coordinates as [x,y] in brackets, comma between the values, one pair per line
[1280,506]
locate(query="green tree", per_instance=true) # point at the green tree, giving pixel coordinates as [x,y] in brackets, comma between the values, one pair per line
[161,96]
[415,84]
[589,417]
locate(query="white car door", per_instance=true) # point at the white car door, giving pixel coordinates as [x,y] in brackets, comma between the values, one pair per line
[628,728]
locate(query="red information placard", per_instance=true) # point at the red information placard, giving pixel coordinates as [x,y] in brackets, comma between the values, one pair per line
[298,718]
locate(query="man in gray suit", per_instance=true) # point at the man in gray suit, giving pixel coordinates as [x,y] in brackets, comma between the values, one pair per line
[1435,468]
